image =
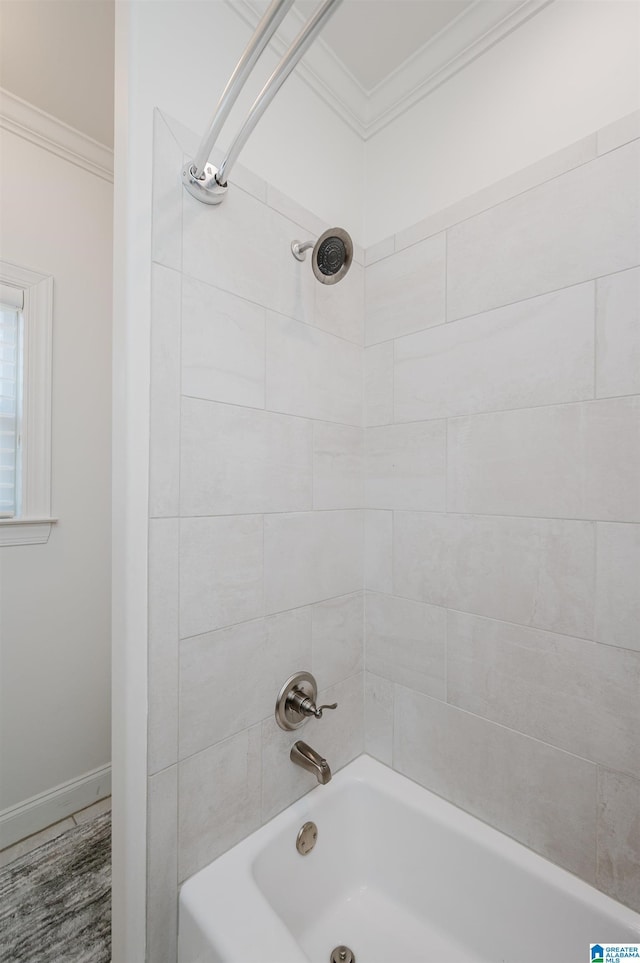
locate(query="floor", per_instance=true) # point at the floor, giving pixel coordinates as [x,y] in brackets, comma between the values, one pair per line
[55,892]
[56,829]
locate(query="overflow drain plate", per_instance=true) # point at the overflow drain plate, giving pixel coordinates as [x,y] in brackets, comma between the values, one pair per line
[342,954]
[306,839]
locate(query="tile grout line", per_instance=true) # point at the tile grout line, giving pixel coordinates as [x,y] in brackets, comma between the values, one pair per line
[596,286]
[597,825]
[449,224]
[481,312]
[583,639]
[177,574]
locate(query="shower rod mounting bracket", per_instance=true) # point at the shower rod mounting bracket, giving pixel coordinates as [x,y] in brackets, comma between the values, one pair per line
[206,187]
[202,180]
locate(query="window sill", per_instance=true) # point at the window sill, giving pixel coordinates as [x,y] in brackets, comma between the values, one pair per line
[25,531]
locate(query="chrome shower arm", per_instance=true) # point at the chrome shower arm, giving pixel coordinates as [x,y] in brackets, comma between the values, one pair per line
[296,51]
[261,37]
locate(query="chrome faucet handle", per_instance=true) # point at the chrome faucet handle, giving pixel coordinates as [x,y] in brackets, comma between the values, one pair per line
[318,712]
[296,701]
[306,705]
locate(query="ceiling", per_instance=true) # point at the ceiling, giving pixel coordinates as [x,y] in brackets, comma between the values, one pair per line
[58,55]
[374,59]
[374,37]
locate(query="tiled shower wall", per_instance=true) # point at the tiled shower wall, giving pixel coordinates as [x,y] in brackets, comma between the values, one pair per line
[497,496]
[502,491]
[256,523]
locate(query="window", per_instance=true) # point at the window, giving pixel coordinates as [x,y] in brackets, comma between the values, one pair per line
[10,396]
[25,405]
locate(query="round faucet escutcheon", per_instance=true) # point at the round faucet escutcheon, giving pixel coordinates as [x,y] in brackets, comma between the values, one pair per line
[296,701]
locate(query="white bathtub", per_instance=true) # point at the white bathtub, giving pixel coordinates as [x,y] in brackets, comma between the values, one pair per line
[399,876]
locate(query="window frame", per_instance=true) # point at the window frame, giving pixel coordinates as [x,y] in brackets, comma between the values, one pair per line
[33,525]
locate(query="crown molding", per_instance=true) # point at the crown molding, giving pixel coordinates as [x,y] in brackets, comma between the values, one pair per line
[320,68]
[475,30]
[21,118]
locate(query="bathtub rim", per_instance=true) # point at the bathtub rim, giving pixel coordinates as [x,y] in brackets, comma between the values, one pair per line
[235,867]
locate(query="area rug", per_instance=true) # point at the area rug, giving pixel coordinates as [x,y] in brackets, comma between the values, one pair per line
[55,902]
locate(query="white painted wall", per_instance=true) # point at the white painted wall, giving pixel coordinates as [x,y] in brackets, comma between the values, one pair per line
[74,44]
[55,598]
[571,69]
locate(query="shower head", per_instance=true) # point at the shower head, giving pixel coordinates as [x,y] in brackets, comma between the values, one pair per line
[332,255]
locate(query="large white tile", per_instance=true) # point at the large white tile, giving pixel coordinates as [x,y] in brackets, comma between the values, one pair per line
[339,308]
[282,781]
[378,551]
[242,460]
[164,635]
[378,384]
[219,794]
[382,249]
[229,679]
[619,837]
[302,217]
[620,132]
[618,334]
[164,428]
[167,191]
[528,570]
[535,352]
[406,642]
[359,254]
[188,139]
[570,461]
[524,179]
[337,634]
[338,466]
[618,585]
[338,736]
[548,686]
[542,796]
[247,179]
[580,225]
[378,718]
[162,866]
[219,243]
[311,556]
[295,284]
[406,466]
[221,565]
[406,291]
[312,373]
[242,176]
[223,346]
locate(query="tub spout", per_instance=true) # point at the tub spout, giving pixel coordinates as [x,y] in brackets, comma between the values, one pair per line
[303,755]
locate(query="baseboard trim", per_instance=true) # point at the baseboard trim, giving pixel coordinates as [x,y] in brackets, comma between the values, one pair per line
[50,807]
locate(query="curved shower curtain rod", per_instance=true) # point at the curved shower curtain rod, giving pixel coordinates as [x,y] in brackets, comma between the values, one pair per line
[202,179]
